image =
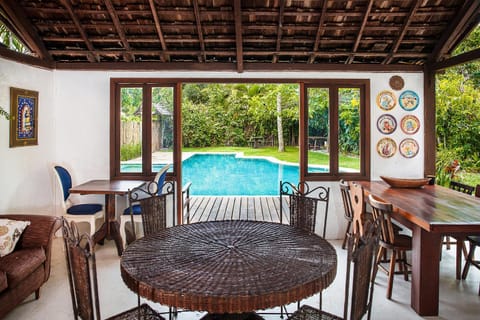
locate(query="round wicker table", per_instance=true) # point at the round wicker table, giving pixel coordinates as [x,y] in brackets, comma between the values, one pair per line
[232,266]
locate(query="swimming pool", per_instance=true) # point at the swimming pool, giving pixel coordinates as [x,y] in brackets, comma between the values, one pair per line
[234,175]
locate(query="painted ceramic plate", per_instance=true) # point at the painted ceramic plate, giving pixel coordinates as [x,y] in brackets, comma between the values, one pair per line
[410,124]
[386,100]
[386,147]
[408,148]
[386,124]
[396,83]
[409,100]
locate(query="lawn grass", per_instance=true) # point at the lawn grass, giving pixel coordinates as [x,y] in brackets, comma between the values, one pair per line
[291,154]
[472,179]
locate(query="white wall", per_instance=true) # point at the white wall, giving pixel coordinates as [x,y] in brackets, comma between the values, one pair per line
[24,172]
[74,125]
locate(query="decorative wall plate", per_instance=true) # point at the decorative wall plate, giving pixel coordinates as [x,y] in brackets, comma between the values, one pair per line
[386,147]
[409,100]
[410,124]
[386,124]
[396,83]
[386,100]
[408,148]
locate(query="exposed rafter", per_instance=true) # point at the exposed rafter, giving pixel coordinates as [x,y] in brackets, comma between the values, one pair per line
[457,60]
[320,30]
[68,5]
[25,30]
[158,27]
[406,24]
[118,27]
[360,32]
[468,12]
[198,22]
[237,9]
[279,30]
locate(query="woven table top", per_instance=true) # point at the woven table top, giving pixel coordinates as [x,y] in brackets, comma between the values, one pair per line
[230,266]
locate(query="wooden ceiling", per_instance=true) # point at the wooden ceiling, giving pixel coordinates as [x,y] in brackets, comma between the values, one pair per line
[239,34]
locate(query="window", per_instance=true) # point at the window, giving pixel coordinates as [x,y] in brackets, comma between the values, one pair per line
[143,129]
[337,130]
[333,135]
[10,40]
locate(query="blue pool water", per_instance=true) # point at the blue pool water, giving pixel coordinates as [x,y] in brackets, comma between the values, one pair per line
[230,175]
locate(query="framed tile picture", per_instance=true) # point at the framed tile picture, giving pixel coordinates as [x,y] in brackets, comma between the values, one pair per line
[23,117]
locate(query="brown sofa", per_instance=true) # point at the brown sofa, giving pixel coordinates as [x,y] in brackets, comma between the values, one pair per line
[27,268]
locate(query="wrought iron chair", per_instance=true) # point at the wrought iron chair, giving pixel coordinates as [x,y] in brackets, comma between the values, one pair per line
[152,199]
[302,202]
[82,277]
[348,210]
[474,243]
[398,244]
[361,254]
[84,212]
[135,208]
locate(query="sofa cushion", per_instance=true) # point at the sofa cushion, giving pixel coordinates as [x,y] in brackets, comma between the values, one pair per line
[21,263]
[3,281]
[10,232]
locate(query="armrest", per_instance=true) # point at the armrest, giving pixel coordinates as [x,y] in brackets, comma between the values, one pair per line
[40,232]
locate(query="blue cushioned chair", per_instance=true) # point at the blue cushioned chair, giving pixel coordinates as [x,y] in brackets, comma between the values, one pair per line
[84,212]
[136,209]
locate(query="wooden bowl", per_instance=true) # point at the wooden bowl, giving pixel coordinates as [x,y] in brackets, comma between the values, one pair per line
[405,183]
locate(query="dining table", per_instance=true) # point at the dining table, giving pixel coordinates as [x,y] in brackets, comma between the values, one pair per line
[110,229]
[229,266]
[430,211]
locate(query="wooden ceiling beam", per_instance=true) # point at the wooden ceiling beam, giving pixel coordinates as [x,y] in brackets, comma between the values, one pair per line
[25,58]
[158,28]
[212,27]
[119,29]
[231,53]
[320,31]
[198,22]
[406,24]
[465,15]
[425,11]
[24,29]
[281,10]
[360,32]
[237,9]
[222,67]
[68,5]
[457,60]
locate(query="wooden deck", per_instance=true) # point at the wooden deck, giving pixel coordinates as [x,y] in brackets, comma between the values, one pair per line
[236,207]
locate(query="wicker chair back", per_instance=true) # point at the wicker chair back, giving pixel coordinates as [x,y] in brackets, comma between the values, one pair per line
[82,277]
[302,202]
[153,203]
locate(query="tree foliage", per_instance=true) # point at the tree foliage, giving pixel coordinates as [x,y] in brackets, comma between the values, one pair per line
[458,111]
[230,114]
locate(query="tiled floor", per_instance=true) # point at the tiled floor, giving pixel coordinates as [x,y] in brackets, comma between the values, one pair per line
[458,299]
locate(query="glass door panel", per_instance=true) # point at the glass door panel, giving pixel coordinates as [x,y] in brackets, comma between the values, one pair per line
[349,129]
[131,129]
[162,127]
[318,158]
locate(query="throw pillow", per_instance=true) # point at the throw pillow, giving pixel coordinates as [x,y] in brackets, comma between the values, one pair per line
[10,232]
